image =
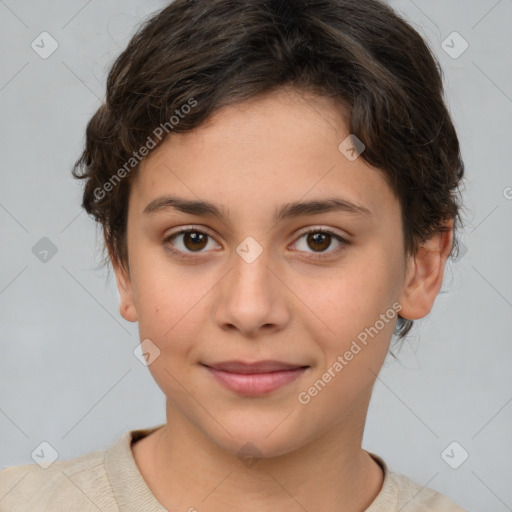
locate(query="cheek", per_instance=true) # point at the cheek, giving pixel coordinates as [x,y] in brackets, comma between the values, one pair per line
[351,296]
[169,306]
[352,358]
[172,320]
[353,311]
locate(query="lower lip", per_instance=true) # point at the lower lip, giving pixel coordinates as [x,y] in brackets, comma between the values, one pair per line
[256,384]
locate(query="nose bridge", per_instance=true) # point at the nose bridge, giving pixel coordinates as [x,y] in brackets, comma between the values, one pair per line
[251,268]
[250,282]
[251,296]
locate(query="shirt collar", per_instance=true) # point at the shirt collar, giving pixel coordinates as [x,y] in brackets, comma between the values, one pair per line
[130,489]
[133,494]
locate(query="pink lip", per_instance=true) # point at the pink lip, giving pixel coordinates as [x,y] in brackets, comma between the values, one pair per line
[255,379]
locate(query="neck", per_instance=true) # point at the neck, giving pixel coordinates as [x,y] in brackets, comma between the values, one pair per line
[185,470]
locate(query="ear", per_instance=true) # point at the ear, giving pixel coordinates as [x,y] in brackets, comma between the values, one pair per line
[424,275]
[124,285]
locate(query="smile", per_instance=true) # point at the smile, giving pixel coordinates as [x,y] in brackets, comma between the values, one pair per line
[256,379]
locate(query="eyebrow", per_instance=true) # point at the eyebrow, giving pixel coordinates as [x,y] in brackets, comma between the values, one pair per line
[287,210]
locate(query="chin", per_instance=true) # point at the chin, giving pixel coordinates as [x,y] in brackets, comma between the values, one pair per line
[247,449]
[257,438]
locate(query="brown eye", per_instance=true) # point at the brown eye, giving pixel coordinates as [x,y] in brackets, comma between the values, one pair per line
[194,240]
[188,241]
[319,241]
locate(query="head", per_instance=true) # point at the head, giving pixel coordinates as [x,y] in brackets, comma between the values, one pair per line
[251,106]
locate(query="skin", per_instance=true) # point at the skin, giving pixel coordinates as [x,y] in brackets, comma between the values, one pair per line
[286,305]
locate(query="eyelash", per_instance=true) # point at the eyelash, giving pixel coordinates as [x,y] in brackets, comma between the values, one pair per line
[319,256]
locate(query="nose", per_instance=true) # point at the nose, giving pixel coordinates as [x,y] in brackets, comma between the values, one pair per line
[253,298]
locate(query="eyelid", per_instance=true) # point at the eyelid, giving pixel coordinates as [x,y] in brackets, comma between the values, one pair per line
[188,228]
[322,229]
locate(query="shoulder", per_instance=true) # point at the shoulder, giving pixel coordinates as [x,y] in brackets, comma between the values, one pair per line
[80,483]
[420,498]
[399,493]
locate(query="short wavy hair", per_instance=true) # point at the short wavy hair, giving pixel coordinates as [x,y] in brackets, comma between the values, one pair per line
[359,53]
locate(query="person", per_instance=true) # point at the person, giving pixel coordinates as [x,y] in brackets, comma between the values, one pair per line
[277,184]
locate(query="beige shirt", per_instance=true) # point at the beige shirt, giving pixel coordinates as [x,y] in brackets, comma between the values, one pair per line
[110,481]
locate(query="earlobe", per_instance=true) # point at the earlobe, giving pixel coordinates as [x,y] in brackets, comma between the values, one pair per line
[424,276]
[124,286]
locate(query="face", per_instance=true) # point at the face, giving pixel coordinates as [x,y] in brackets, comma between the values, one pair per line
[315,290]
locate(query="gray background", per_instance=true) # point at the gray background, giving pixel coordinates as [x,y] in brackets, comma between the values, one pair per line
[67,369]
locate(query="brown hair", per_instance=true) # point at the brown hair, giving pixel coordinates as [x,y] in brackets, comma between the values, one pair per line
[205,54]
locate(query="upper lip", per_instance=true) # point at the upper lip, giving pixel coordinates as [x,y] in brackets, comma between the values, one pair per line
[266,366]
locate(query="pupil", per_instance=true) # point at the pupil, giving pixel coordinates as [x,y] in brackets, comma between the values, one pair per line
[196,239]
[318,238]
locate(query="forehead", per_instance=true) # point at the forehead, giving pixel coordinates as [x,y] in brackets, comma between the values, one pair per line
[261,153]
